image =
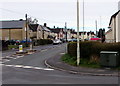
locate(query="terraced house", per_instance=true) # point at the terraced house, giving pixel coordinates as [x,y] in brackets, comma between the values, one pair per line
[16,30]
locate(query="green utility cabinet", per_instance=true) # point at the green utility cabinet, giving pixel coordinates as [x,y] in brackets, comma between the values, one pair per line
[109,58]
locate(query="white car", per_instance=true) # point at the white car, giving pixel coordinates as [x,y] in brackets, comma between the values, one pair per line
[57,41]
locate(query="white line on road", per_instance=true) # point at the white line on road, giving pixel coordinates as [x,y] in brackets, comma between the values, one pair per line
[5,60]
[14,58]
[19,56]
[8,57]
[62,53]
[30,67]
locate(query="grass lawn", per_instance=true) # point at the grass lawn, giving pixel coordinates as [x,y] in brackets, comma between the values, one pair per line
[83,62]
[12,46]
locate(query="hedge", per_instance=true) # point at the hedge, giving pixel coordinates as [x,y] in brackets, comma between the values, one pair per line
[44,41]
[89,49]
[4,45]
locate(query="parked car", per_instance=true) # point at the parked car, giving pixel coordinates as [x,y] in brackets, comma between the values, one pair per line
[57,41]
[69,40]
[24,41]
[17,42]
[11,42]
[95,39]
[72,40]
[63,40]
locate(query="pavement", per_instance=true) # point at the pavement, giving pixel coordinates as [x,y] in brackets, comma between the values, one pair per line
[56,63]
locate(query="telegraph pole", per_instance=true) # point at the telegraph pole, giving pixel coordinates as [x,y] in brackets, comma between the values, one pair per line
[78,48]
[96,26]
[83,20]
[66,31]
[26,28]
[66,37]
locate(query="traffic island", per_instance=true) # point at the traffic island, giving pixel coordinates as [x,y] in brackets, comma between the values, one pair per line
[31,51]
[19,52]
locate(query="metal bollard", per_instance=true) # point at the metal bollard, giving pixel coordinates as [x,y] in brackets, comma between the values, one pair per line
[20,48]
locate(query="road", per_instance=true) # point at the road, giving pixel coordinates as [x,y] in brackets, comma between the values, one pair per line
[30,69]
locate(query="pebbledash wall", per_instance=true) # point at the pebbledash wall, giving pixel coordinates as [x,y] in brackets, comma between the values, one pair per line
[115,27]
[119,5]
[118,24]
[118,27]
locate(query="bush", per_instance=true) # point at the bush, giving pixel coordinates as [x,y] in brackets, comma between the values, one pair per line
[90,49]
[4,44]
[44,41]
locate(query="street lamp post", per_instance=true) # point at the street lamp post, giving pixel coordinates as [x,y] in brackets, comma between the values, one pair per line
[26,28]
[96,27]
[83,20]
[66,31]
[78,48]
[66,37]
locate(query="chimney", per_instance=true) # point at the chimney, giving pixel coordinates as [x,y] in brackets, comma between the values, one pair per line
[20,19]
[45,24]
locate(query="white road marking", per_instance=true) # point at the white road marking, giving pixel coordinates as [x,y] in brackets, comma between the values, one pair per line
[37,68]
[14,58]
[17,65]
[30,67]
[62,53]
[1,64]
[5,60]
[8,57]
[19,56]
[9,65]
[27,67]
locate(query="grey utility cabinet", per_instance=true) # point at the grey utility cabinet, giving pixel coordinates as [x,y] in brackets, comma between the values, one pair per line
[109,58]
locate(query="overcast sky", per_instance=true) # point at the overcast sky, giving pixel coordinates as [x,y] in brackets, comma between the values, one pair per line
[57,12]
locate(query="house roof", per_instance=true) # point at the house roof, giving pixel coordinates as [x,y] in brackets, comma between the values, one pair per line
[56,30]
[113,16]
[92,33]
[12,24]
[33,27]
[44,28]
[108,31]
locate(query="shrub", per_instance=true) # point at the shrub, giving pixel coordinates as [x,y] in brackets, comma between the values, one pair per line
[72,48]
[4,44]
[44,41]
[91,50]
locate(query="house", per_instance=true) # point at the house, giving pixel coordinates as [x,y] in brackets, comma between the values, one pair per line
[113,35]
[43,32]
[86,35]
[16,30]
[33,28]
[108,36]
[13,29]
[59,33]
[73,34]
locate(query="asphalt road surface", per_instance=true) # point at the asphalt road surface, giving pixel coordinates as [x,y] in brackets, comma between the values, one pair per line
[30,69]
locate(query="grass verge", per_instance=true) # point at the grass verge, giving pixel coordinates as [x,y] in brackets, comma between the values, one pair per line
[12,46]
[83,62]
